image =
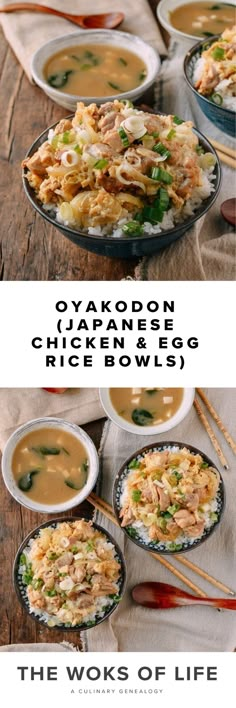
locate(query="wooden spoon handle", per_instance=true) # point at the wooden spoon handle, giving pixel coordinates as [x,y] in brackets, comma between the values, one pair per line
[33,7]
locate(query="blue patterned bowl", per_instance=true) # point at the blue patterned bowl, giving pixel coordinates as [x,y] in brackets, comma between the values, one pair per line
[223,118]
[133,533]
[21,588]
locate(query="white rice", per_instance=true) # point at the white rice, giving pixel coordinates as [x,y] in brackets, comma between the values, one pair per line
[222,88]
[171,218]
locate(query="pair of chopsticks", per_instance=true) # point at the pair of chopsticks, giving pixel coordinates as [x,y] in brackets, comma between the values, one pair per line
[225,154]
[209,429]
[107,510]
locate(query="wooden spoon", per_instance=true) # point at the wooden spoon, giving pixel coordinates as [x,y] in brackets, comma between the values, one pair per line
[161,596]
[108,20]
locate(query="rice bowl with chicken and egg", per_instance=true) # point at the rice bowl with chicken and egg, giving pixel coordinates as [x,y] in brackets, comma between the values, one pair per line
[117,171]
[69,574]
[168,498]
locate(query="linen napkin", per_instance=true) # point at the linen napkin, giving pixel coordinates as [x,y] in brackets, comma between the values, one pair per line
[208,250]
[18,405]
[196,628]
[26,32]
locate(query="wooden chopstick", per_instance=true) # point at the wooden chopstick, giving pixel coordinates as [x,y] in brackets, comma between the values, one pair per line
[230,161]
[211,434]
[223,148]
[106,508]
[217,419]
[203,574]
[98,504]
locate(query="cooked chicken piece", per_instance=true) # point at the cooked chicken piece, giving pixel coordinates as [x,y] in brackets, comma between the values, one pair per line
[102,586]
[78,573]
[105,108]
[36,598]
[127,516]
[84,530]
[191,501]
[62,126]
[107,122]
[108,568]
[65,559]
[47,190]
[196,530]
[184,518]
[43,158]
[164,498]
[85,601]
[155,460]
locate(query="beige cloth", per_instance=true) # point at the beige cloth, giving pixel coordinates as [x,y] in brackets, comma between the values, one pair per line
[37,647]
[18,405]
[26,32]
[134,628]
[208,250]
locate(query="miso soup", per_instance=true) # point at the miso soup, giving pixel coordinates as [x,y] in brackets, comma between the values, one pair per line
[95,70]
[203,19]
[146,406]
[50,465]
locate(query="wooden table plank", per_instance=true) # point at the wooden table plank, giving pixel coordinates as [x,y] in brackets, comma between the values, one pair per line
[15,523]
[30,249]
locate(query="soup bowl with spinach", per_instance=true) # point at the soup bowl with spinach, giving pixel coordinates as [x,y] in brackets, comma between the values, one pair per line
[50,465]
[147,411]
[190,20]
[95,66]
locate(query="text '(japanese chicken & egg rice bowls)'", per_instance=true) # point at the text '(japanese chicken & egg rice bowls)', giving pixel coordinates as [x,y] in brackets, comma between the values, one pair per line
[168,497]
[69,573]
[113,176]
[50,465]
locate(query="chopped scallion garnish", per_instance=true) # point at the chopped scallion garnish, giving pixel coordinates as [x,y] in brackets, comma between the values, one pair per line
[100,164]
[162,150]
[177,120]
[124,137]
[132,228]
[161,175]
[218,53]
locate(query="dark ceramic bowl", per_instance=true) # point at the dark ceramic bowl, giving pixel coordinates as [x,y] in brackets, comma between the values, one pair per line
[21,588]
[133,534]
[223,118]
[127,247]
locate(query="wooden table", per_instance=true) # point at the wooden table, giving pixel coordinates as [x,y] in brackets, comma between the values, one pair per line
[31,249]
[16,522]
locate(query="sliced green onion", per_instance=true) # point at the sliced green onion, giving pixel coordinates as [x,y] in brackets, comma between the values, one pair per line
[171,134]
[217,99]
[161,175]
[134,464]
[122,61]
[162,150]
[66,137]
[100,164]
[114,86]
[127,103]
[123,136]
[153,214]
[213,516]
[59,80]
[199,150]
[85,67]
[177,120]
[136,495]
[154,135]
[132,228]
[163,201]
[218,53]
[173,508]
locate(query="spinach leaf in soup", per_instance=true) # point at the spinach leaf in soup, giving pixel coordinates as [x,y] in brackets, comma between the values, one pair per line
[141,416]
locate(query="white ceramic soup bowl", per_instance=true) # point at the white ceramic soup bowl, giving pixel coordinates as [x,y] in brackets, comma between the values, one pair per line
[183,410]
[38,424]
[163,13]
[123,40]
